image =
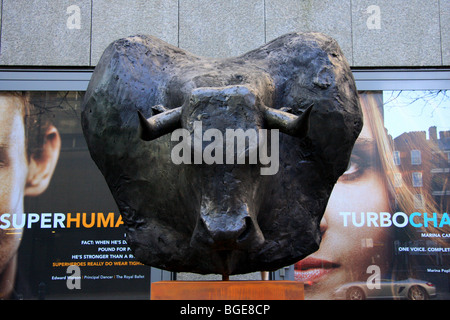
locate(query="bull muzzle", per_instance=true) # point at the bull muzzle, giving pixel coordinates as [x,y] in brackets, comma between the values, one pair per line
[233,229]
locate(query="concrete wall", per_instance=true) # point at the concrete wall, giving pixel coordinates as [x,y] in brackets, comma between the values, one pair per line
[372,33]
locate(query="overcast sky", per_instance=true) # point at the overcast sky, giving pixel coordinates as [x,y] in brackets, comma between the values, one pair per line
[416,111]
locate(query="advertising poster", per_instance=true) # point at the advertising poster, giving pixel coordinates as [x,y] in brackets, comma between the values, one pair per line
[385,233]
[386,230]
[61,235]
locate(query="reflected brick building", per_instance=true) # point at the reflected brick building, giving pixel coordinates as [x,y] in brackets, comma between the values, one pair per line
[424,166]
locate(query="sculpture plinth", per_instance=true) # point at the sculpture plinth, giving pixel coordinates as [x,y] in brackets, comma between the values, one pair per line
[227,290]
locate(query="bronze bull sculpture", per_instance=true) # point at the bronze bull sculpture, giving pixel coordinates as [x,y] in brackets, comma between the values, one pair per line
[216,208]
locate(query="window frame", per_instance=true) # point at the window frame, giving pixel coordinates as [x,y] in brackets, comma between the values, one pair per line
[417,179]
[77,79]
[416,157]
[397,157]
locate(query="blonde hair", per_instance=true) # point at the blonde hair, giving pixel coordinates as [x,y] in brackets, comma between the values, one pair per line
[403,195]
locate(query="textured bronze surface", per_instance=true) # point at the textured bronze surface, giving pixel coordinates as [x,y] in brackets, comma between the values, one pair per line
[222,218]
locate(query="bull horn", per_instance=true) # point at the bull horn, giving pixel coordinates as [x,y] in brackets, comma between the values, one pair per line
[160,124]
[296,126]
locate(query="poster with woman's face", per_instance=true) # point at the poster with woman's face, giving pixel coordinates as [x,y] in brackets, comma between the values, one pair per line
[386,230]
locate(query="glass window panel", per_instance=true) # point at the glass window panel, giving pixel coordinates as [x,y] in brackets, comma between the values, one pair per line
[378,223]
[417,179]
[416,157]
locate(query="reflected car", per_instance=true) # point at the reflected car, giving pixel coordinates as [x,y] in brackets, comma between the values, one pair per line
[411,289]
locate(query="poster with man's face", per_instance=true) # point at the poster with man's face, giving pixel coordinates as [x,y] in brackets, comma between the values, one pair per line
[61,234]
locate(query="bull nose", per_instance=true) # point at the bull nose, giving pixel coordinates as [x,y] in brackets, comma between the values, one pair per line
[227,231]
[233,231]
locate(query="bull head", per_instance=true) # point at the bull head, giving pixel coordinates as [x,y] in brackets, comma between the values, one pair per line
[297,92]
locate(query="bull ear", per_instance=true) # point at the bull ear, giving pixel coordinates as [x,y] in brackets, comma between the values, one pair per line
[160,124]
[296,126]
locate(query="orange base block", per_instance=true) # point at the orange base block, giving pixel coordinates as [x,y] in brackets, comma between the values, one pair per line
[227,290]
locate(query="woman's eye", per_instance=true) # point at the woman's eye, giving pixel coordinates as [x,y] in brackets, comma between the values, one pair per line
[363,158]
[354,169]
[3,157]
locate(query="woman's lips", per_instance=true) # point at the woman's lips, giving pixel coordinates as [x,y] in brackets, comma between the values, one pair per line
[310,269]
